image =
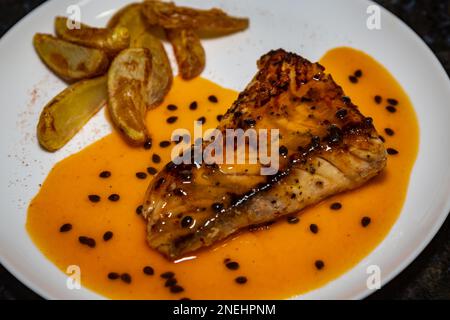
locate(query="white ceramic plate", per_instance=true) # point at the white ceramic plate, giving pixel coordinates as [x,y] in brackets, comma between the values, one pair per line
[307,27]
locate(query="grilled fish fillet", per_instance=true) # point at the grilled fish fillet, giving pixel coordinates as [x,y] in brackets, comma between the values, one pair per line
[326,146]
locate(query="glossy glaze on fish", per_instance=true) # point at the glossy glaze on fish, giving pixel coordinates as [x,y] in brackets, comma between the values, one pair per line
[326,146]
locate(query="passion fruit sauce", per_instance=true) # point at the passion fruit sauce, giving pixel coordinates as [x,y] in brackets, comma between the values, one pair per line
[291,256]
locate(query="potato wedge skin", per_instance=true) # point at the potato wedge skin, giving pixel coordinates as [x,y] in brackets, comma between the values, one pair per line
[69,61]
[111,41]
[67,113]
[188,51]
[212,21]
[131,18]
[128,79]
[141,36]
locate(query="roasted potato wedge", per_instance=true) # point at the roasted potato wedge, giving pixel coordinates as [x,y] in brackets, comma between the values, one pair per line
[111,41]
[70,61]
[128,81]
[141,36]
[188,51]
[66,113]
[170,16]
[162,75]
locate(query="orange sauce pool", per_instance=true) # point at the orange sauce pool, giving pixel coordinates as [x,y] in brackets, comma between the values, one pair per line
[279,262]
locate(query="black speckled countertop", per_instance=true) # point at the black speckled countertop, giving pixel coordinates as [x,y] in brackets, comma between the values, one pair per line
[428,277]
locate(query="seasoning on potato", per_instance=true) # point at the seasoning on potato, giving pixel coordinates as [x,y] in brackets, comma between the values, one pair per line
[66,113]
[213,21]
[69,61]
[188,51]
[111,41]
[141,36]
[128,81]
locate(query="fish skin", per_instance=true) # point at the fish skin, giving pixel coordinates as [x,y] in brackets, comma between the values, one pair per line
[329,151]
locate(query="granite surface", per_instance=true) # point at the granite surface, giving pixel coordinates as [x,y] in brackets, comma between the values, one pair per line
[428,277]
